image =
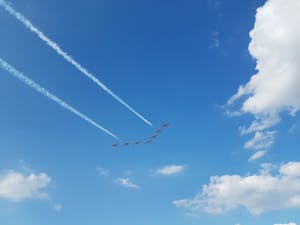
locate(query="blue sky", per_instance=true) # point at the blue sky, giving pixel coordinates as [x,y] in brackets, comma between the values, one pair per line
[176,62]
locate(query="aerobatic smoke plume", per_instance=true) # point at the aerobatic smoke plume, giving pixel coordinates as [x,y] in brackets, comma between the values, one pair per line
[19,75]
[66,56]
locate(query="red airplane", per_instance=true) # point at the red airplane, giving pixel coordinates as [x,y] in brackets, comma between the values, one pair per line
[137,142]
[148,142]
[154,136]
[126,144]
[115,145]
[165,125]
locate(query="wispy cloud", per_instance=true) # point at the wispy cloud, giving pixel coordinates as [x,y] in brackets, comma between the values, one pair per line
[215,40]
[126,182]
[102,172]
[57,207]
[23,165]
[17,187]
[20,76]
[170,170]
[285,224]
[257,155]
[27,23]
[261,140]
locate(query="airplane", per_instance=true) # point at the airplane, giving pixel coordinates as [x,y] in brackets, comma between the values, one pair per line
[137,142]
[158,131]
[154,136]
[165,125]
[115,145]
[126,144]
[148,142]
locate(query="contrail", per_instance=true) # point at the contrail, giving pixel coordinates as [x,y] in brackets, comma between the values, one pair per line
[26,22]
[19,75]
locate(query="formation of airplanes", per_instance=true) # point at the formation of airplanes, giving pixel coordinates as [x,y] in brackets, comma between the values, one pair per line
[148,141]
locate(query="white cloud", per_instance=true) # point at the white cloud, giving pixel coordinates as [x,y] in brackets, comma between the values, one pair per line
[215,42]
[275,46]
[17,187]
[291,169]
[126,182]
[293,128]
[170,170]
[260,140]
[257,155]
[258,193]
[102,172]
[57,207]
[127,173]
[23,165]
[192,215]
[285,224]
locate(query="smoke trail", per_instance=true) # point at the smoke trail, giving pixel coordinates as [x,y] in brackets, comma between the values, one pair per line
[66,56]
[43,91]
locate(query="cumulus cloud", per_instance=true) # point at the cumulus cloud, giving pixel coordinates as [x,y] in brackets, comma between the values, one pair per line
[257,155]
[275,88]
[17,187]
[292,169]
[258,193]
[170,170]
[126,182]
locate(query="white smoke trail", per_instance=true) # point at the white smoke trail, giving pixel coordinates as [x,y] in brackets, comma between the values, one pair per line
[66,56]
[43,91]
